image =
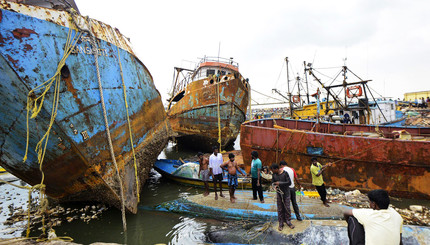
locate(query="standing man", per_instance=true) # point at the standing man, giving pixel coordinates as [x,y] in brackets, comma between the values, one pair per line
[232,168]
[378,225]
[215,161]
[317,179]
[204,170]
[293,176]
[256,166]
[281,181]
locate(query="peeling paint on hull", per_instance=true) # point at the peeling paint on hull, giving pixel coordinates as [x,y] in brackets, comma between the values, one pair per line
[401,167]
[195,117]
[78,165]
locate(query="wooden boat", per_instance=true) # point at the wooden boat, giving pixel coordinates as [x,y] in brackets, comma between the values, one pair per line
[37,44]
[209,103]
[366,157]
[167,168]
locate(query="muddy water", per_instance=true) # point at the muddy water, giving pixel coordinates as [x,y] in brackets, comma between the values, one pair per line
[146,227]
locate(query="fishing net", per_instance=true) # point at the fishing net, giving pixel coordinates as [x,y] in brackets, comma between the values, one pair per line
[188,170]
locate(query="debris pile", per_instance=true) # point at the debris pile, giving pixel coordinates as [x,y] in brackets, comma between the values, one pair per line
[414,215]
[418,118]
[54,216]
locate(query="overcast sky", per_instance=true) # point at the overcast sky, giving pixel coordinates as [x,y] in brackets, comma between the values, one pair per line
[387,42]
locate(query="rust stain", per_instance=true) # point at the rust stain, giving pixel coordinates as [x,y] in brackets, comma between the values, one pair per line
[12,61]
[74,91]
[360,162]
[28,47]
[201,96]
[20,33]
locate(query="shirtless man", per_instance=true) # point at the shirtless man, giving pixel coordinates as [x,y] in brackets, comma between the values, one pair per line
[204,170]
[232,168]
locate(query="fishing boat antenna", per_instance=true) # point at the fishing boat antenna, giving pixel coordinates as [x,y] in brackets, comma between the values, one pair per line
[306,81]
[289,92]
[219,49]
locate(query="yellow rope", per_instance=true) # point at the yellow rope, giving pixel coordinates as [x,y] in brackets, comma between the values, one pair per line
[129,126]
[35,106]
[219,118]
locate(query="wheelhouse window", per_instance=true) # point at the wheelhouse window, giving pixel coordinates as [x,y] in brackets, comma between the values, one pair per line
[210,72]
[221,72]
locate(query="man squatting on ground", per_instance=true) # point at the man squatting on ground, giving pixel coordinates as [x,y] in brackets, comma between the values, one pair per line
[204,170]
[281,181]
[317,179]
[256,166]
[232,169]
[215,161]
[293,176]
[377,225]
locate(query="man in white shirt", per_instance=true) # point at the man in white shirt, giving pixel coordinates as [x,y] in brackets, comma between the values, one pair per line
[378,225]
[215,161]
[293,176]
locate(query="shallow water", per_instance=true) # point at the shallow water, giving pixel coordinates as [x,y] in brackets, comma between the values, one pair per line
[146,227]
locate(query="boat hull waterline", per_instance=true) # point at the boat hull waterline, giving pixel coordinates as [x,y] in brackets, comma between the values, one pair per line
[398,166]
[77,165]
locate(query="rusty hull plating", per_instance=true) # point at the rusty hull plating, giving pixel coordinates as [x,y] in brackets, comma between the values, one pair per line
[194,117]
[401,167]
[77,166]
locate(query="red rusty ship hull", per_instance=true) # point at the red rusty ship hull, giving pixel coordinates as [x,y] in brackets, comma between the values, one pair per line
[194,117]
[401,167]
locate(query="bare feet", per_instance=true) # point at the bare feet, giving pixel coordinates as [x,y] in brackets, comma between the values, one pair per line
[280,228]
[216,197]
[221,195]
[291,225]
[262,201]
[232,200]
[234,197]
[205,194]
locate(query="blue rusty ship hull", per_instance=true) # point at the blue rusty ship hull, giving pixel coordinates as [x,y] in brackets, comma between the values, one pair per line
[78,165]
[195,117]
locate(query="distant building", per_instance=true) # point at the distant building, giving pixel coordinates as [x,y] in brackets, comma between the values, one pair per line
[416,95]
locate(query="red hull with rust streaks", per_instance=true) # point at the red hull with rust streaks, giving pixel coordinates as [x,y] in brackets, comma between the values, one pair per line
[401,167]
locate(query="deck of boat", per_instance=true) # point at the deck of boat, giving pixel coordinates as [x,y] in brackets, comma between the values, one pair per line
[247,208]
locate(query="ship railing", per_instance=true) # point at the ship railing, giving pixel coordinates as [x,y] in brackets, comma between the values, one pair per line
[219,59]
[182,84]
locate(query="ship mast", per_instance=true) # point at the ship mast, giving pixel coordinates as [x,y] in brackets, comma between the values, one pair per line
[289,92]
[306,81]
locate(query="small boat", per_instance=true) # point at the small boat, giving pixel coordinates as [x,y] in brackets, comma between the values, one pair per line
[366,157]
[186,172]
[208,104]
[91,103]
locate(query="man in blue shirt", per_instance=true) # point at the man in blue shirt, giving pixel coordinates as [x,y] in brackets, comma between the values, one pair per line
[256,166]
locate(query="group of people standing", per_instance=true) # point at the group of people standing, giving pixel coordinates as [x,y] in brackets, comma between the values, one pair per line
[422,102]
[380,224]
